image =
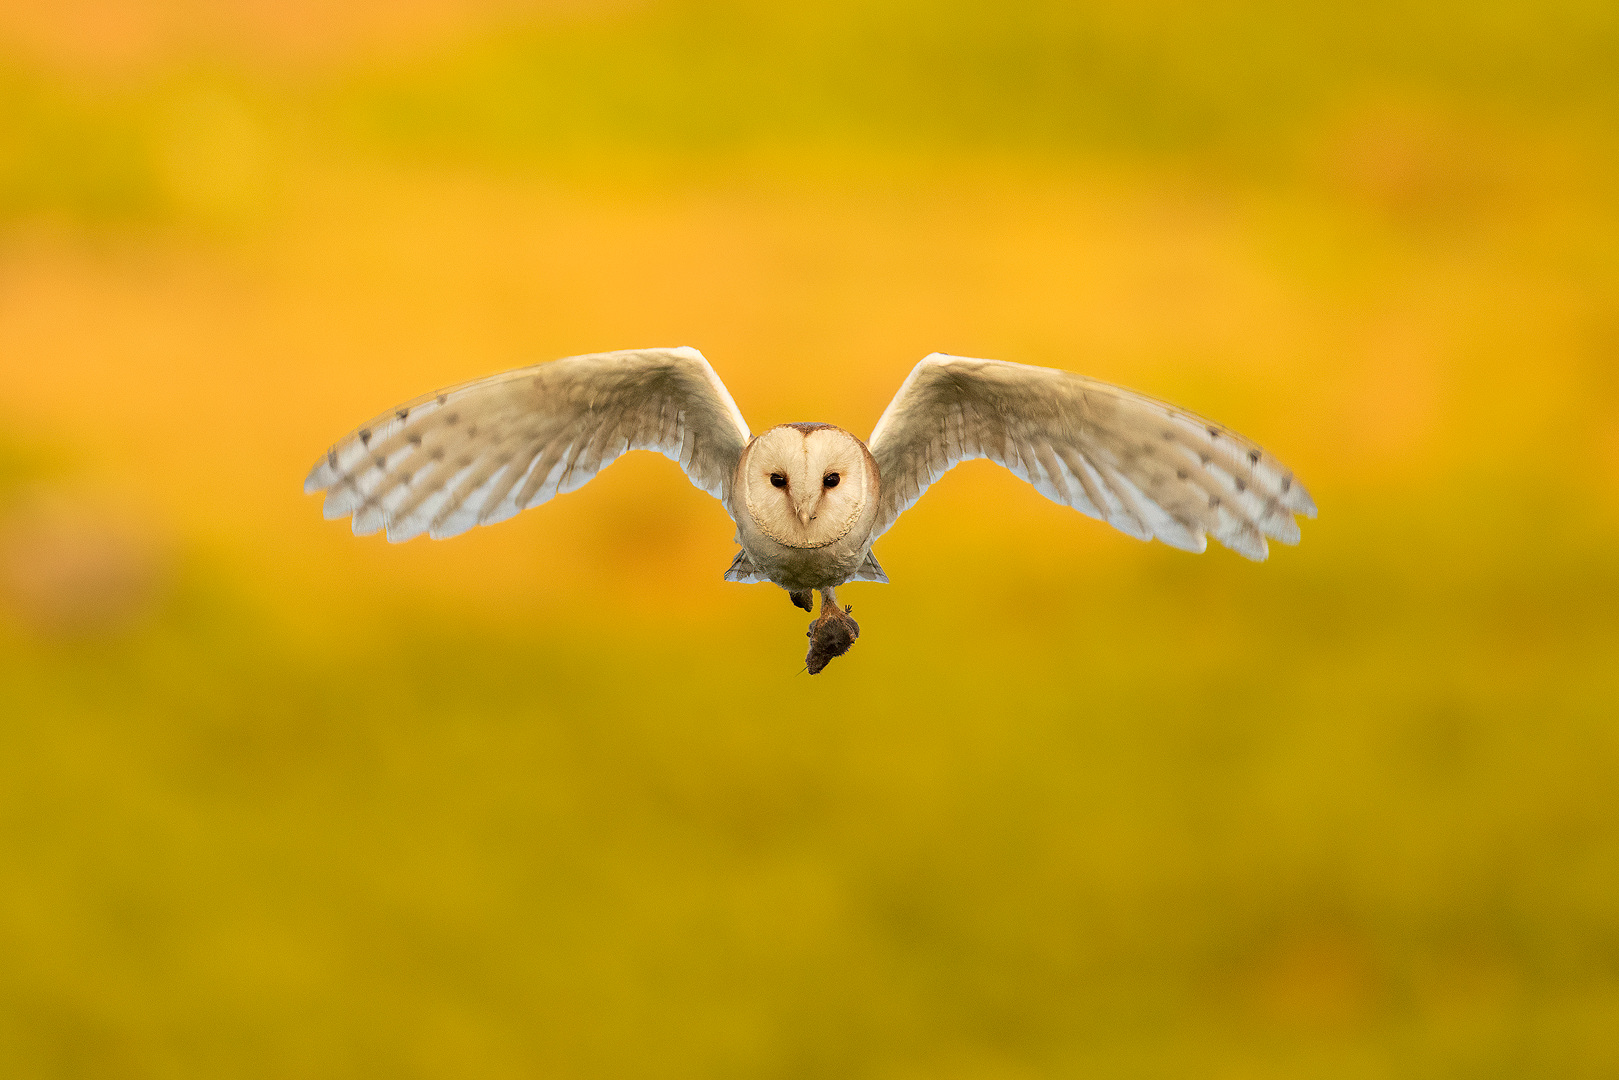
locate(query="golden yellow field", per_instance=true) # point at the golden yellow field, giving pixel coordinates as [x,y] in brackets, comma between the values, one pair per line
[551,799]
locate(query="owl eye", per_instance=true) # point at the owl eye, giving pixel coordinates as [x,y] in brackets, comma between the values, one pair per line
[778,479]
[830,479]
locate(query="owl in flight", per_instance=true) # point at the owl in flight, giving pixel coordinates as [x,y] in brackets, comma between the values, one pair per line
[808,500]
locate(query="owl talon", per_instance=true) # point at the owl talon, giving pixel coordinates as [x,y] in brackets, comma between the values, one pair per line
[804,599]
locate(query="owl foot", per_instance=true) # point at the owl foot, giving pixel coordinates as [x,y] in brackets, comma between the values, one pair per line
[830,636]
[803,598]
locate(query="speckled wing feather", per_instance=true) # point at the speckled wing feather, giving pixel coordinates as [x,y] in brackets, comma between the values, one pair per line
[480,452]
[1144,466]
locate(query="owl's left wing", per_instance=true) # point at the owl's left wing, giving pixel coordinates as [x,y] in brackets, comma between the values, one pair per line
[1144,466]
[480,452]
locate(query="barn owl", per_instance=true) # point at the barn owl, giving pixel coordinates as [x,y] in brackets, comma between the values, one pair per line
[808,499]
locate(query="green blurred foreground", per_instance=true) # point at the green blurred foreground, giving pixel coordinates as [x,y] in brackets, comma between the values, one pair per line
[1339,818]
[549,800]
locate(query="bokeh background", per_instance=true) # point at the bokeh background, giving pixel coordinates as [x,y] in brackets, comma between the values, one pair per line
[552,800]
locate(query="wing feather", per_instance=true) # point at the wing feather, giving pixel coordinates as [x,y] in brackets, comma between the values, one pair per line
[480,452]
[1146,467]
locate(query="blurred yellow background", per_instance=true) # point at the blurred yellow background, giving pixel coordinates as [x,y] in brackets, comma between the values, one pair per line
[552,800]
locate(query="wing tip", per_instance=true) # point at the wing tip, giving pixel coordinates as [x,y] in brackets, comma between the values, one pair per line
[1199,544]
[317,480]
[1248,542]
[1296,498]
[1258,553]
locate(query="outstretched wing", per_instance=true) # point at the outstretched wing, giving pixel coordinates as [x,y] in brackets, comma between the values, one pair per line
[1143,466]
[480,452]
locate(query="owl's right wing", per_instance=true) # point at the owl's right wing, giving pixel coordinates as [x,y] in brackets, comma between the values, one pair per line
[1144,466]
[479,452]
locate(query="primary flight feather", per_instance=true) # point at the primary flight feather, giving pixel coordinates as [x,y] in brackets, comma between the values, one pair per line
[808,500]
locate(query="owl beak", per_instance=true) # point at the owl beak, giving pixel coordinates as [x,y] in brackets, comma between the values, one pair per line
[804,507]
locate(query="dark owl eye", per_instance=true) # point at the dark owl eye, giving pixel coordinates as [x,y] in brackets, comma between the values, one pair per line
[778,479]
[830,479]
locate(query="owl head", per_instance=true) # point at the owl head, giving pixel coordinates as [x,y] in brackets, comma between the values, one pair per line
[806,485]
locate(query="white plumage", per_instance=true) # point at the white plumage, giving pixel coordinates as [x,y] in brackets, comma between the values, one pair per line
[1146,467]
[479,452]
[808,499]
